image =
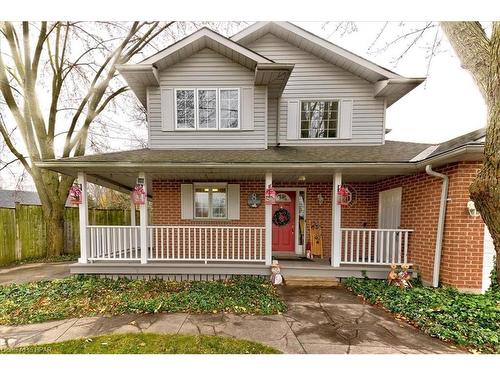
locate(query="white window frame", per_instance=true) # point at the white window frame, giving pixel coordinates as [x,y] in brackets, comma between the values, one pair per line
[195,108]
[239,108]
[339,101]
[209,185]
[197,123]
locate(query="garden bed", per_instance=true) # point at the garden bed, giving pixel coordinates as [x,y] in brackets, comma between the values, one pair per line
[147,343]
[469,320]
[80,296]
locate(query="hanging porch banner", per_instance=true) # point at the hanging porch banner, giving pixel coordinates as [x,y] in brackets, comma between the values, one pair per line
[270,195]
[138,195]
[75,194]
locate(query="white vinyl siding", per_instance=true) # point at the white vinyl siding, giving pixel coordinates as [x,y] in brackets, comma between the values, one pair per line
[314,78]
[208,69]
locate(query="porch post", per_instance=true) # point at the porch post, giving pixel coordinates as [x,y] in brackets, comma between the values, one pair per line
[132,211]
[336,222]
[269,223]
[83,211]
[144,223]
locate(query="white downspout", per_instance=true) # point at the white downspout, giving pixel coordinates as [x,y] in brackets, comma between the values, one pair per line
[440,227]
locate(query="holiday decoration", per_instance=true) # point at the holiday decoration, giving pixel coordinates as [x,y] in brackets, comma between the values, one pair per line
[344,196]
[270,195]
[139,195]
[253,200]
[399,278]
[281,217]
[75,194]
[276,278]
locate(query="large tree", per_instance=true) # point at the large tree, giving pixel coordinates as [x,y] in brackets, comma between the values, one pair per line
[480,55]
[56,78]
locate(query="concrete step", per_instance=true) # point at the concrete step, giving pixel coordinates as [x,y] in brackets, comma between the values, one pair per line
[311,281]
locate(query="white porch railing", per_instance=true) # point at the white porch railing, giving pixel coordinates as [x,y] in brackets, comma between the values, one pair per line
[116,242]
[206,243]
[374,246]
[177,243]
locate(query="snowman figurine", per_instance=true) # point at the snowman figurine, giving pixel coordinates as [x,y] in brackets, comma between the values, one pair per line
[276,278]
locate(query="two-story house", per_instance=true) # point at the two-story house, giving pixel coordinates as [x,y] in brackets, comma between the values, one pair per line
[271,145]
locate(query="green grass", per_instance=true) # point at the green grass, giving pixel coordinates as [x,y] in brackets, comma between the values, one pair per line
[469,320]
[148,343]
[80,296]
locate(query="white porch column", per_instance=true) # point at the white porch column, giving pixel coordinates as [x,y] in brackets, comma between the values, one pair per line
[336,222]
[144,223]
[269,223]
[132,211]
[83,210]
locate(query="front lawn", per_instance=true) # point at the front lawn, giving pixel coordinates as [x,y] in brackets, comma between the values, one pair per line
[80,296]
[468,320]
[147,343]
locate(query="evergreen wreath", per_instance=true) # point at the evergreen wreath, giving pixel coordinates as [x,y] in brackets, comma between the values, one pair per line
[281,217]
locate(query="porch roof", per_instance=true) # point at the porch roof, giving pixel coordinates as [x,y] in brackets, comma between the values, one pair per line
[317,163]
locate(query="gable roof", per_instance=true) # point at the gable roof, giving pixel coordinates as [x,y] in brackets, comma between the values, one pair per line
[389,84]
[205,38]
[140,76]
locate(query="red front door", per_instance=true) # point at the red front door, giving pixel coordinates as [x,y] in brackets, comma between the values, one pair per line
[284,234]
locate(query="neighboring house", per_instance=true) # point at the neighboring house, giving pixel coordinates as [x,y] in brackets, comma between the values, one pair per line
[275,105]
[9,198]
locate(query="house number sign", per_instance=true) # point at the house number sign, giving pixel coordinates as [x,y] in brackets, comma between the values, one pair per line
[253,200]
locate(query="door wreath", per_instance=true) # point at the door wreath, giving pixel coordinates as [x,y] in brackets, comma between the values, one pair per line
[281,217]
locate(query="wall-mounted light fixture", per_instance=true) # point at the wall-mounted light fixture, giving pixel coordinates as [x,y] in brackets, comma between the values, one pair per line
[302,178]
[321,199]
[471,207]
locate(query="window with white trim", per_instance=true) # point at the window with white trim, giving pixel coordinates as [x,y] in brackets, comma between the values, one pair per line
[185,114]
[319,119]
[207,109]
[210,202]
[229,108]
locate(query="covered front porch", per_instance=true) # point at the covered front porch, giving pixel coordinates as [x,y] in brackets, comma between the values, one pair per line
[164,243]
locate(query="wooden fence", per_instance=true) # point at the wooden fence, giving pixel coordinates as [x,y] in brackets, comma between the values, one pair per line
[22,230]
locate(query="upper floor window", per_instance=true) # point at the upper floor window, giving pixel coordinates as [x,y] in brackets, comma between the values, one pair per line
[229,108]
[185,114]
[319,119]
[207,109]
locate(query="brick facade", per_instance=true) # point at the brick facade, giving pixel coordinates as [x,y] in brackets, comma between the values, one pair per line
[462,253]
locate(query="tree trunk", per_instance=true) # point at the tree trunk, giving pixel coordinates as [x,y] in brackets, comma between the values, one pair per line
[55,230]
[480,55]
[485,189]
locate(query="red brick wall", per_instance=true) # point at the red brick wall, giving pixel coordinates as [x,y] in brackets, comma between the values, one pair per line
[167,205]
[461,262]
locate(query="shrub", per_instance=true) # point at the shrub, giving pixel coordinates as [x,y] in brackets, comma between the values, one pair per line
[466,319]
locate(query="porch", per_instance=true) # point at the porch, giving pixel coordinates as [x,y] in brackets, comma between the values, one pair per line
[171,238]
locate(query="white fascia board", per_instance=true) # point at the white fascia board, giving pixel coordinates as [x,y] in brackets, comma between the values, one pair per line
[318,41]
[206,33]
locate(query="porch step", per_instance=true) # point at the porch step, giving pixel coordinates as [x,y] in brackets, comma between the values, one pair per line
[311,281]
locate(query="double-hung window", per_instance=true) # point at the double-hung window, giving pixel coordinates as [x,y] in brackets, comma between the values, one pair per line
[319,118]
[210,201]
[207,109]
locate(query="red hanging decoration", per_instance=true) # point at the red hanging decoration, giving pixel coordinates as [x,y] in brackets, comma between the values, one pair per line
[75,194]
[344,196]
[270,195]
[139,195]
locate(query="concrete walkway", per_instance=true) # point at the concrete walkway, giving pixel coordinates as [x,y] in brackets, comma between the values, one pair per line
[34,272]
[319,320]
